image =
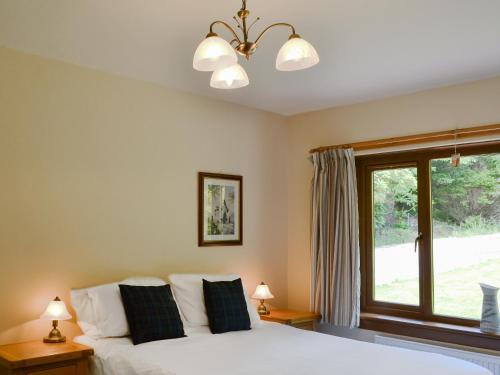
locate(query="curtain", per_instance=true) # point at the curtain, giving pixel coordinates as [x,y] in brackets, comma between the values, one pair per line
[335,276]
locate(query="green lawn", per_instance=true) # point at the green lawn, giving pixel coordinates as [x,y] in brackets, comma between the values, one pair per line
[456,292]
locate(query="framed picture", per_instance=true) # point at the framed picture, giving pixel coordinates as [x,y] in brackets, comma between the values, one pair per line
[220,209]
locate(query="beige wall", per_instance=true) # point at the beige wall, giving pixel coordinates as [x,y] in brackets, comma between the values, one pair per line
[441,109]
[98,182]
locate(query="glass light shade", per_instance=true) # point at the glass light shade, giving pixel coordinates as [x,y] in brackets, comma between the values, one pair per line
[232,77]
[214,53]
[262,292]
[56,310]
[296,54]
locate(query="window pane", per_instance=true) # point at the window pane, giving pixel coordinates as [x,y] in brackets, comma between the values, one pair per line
[395,224]
[466,232]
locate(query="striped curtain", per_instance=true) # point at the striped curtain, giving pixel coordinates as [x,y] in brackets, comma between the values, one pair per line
[335,276]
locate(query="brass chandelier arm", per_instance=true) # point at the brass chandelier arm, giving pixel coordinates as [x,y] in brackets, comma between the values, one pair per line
[227,26]
[232,41]
[275,25]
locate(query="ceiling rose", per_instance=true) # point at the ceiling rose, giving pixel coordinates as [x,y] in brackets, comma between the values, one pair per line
[216,55]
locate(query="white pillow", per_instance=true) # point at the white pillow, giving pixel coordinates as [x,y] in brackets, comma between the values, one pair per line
[188,291]
[84,313]
[143,281]
[100,309]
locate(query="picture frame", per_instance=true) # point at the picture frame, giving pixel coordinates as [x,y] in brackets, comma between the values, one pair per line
[220,209]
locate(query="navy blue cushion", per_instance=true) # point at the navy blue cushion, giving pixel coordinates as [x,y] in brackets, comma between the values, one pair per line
[226,306]
[152,313]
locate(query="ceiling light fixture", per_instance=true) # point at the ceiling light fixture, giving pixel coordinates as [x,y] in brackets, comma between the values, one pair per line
[217,55]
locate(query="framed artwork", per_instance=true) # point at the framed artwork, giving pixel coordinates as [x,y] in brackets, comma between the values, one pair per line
[220,209]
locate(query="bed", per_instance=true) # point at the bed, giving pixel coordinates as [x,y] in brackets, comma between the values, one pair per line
[263,348]
[268,349]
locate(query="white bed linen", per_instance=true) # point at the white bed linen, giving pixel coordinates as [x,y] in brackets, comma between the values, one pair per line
[270,349]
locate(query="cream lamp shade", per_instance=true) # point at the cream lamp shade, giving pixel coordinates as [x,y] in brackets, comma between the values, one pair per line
[214,53]
[56,310]
[232,77]
[262,292]
[296,54]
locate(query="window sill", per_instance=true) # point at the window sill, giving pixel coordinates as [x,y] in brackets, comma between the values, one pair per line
[449,333]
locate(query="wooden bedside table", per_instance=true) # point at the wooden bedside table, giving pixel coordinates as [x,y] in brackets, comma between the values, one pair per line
[38,358]
[297,319]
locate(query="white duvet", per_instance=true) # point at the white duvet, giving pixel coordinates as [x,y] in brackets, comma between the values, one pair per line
[270,349]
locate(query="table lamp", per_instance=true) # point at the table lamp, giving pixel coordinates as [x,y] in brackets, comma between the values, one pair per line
[262,292]
[56,310]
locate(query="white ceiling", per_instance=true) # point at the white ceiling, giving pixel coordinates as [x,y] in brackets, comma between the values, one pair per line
[368,48]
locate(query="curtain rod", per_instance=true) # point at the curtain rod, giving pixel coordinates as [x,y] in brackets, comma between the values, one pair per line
[462,133]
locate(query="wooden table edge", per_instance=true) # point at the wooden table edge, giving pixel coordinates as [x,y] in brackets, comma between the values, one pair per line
[12,362]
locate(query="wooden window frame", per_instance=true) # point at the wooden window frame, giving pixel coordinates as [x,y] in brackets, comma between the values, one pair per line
[421,158]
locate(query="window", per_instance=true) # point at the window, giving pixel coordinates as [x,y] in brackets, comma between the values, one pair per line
[395,214]
[429,232]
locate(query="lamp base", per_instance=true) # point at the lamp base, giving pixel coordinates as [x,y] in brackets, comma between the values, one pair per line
[54,335]
[54,340]
[262,309]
